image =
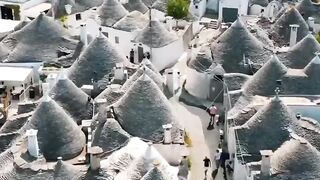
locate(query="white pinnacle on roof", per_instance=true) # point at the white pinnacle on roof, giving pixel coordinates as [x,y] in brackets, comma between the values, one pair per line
[263,82]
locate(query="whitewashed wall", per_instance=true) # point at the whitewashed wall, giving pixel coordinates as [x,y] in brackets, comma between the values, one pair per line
[213,5]
[197,84]
[240,170]
[241,5]
[167,55]
[201,10]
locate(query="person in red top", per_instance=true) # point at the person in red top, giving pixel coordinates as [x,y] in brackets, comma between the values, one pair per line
[213,110]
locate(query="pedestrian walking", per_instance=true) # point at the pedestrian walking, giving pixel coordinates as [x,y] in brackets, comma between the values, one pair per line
[213,110]
[217,158]
[207,165]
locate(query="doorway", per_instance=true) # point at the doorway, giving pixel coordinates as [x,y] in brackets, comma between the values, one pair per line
[6,13]
[229,14]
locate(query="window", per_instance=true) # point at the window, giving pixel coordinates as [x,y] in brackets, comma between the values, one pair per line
[78,16]
[116,39]
[196,6]
[105,34]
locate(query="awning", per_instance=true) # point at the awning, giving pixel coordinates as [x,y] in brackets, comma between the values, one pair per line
[34,11]
[14,74]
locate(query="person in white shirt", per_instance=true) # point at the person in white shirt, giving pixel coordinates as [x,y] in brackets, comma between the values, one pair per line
[217,158]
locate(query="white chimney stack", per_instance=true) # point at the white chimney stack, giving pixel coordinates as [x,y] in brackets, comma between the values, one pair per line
[311,23]
[83,34]
[293,34]
[119,71]
[172,80]
[167,133]
[95,157]
[169,22]
[51,79]
[266,162]
[33,147]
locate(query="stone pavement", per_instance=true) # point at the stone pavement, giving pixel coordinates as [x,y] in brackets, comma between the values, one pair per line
[204,142]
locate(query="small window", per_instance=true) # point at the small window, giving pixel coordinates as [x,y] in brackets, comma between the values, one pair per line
[106,34]
[116,39]
[196,6]
[78,16]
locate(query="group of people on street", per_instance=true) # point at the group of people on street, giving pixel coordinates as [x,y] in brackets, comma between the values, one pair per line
[220,159]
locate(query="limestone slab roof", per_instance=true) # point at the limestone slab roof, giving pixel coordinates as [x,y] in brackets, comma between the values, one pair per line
[144,109]
[155,35]
[110,12]
[229,51]
[135,20]
[58,134]
[96,61]
[38,41]
[307,9]
[136,5]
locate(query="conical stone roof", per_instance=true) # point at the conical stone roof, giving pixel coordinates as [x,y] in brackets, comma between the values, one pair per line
[77,6]
[109,135]
[144,109]
[136,5]
[309,9]
[58,134]
[228,50]
[263,82]
[97,60]
[282,28]
[64,171]
[303,52]
[135,20]
[72,99]
[160,5]
[155,174]
[202,61]
[155,35]
[110,12]
[297,158]
[38,41]
[143,70]
[267,129]
[111,95]
[313,68]
[148,63]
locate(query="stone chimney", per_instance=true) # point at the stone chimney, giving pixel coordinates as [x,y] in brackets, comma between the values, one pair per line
[119,71]
[169,22]
[293,34]
[172,80]
[95,152]
[33,147]
[51,79]
[265,162]
[311,24]
[83,34]
[148,157]
[167,133]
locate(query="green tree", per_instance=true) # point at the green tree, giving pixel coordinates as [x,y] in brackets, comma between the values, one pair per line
[178,9]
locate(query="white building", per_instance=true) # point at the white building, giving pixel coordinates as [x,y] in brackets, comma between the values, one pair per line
[17,9]
[164,47]
[230,9]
